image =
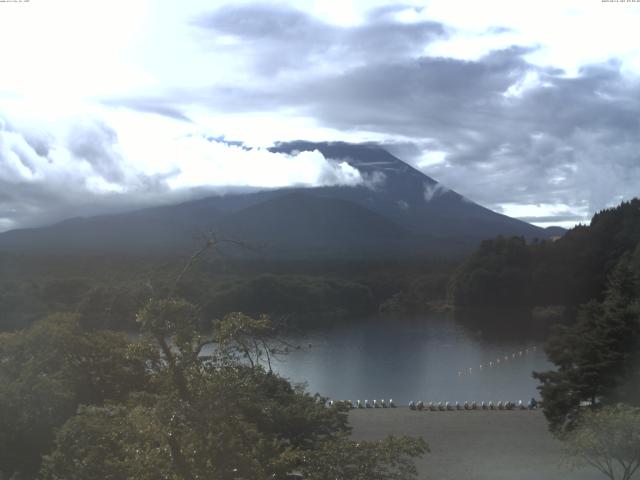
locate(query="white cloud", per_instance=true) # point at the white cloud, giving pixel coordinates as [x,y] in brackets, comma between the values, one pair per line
[83,166]
[61,59]
[431,157]
[432,191]
[547,214]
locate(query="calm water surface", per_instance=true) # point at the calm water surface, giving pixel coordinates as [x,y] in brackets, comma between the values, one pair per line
[422,359]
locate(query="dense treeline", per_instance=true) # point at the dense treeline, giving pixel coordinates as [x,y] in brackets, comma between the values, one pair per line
[106,292]
[569,271]
[598,357]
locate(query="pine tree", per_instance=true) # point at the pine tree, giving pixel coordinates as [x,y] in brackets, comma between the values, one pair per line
[595,356]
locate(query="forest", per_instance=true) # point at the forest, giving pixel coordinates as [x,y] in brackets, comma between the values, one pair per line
[107,291]
[81,397]
[568,271]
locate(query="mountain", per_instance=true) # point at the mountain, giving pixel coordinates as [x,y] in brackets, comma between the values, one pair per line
[397,211]
[555,232]
[411,198]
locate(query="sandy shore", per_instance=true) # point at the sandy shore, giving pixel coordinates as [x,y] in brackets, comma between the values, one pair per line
[474,445]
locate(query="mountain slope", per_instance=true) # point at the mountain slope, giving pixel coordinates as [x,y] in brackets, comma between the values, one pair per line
[303,223]
[398,211]
[411,198]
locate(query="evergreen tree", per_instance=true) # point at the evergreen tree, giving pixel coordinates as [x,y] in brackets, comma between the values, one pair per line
[595,356]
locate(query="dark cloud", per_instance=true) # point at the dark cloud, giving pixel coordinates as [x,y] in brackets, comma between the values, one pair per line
[513,132]
[279,39]
[387,11]
[44,180]
[97,144]
[496,30]
[148,105]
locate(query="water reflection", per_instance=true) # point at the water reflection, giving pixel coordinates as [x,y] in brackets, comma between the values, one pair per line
[432,358]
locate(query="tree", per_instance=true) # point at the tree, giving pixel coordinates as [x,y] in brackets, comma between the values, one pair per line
[47,371]
[608,439]
[595,356]
[219,415]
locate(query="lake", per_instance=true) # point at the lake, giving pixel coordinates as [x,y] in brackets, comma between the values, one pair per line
[431,359]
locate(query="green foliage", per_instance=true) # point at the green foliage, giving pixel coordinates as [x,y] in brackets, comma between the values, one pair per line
[110,442]
[106,296]
[608,439]
[498,273]
[596,356]
[569,271]
[50,369]
[419,295]
[91,404]
[289,294]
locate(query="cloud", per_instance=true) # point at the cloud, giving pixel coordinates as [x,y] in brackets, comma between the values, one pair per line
[374,180]
[403,205]
[499,126]
[276,39]
[148,105]
[435,190]
[507,130]
[85,168]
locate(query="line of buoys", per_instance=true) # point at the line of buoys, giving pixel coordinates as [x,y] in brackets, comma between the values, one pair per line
[499,360]
[366,404]
[439,406]
[446,406]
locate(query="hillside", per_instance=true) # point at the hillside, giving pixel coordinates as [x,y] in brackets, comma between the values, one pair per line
[569,271]
[398,211]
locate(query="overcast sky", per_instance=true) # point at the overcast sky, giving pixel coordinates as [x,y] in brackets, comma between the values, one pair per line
[530,108]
